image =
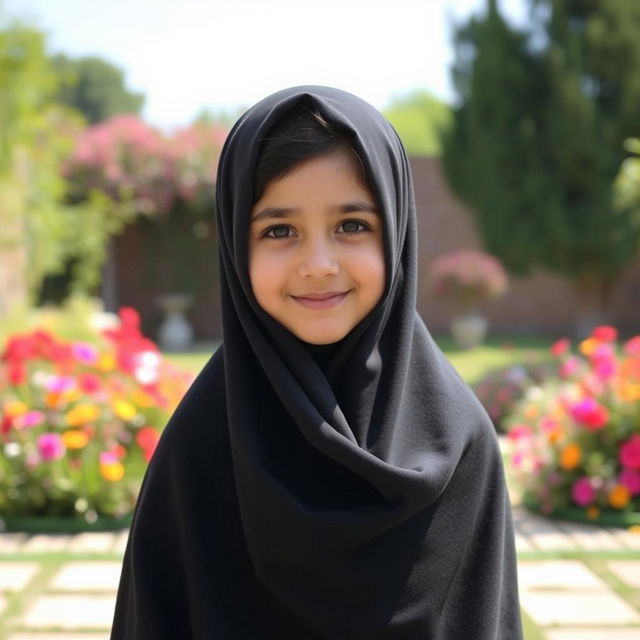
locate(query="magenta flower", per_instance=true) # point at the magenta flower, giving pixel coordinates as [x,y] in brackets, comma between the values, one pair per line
[84,352]
[50,446]
[583,492]
[590,414]
[108,457]
[629,453]
[60,384]
[631,479]
[29,419]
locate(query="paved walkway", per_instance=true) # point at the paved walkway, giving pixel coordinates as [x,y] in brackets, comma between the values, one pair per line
[73,599]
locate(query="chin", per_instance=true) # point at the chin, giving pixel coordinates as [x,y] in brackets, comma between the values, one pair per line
[320,338]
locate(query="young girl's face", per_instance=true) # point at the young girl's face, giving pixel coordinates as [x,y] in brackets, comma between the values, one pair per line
[316,259]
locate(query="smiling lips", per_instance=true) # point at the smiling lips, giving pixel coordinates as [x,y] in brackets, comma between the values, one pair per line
[324,300]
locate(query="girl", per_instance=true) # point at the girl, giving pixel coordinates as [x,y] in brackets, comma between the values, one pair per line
[328,474]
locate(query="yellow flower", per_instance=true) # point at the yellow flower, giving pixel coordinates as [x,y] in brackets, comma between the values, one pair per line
[629,392]
[619,496]
[142,399]
[106,362]
[15,408]
[112,472]
[72,395]
[588,346]
[531,412]
[124,410]
[82,413]
[75,439]
[570,456]
[593,513]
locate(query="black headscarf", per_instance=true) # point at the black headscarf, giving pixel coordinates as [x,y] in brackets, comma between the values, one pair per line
[354,491]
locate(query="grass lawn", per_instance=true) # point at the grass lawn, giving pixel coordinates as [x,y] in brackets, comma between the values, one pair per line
[496,352]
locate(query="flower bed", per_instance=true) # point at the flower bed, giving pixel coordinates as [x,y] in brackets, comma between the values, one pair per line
[576,437]
[79,422]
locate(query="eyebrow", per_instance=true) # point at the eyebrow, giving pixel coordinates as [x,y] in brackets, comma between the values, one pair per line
[343,209]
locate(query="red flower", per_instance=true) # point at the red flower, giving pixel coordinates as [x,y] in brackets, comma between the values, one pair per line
[147,437]
[629,453]
[590,414]
[19,348]
[605,333]
[89,382]
[560,347]
[129,316]
[17,373]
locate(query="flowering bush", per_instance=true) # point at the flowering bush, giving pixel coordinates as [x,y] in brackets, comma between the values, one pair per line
[466,277]
[79,421]
[501,389]
[576,438]
[128,160]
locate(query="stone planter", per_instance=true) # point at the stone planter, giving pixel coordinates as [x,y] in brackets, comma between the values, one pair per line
[469,329]
[175,332]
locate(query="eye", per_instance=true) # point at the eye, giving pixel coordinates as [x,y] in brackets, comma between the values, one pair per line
[277,231]
[353,226]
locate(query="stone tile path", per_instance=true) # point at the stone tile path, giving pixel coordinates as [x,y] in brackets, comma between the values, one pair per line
[74,599]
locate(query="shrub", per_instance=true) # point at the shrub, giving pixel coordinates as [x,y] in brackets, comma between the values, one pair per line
[466,277]
[80,420]
[576,437]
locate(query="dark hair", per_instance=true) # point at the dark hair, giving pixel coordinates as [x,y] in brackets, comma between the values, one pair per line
[303,135]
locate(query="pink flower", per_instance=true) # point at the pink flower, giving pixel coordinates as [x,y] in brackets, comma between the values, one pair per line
[50,446]
[89,382]
[605,333]
[84,352]
[519,431]
[590,414]
[629,453]
[569,367]
[60,384]
[630,479]
[560,347]
[583,492]
[29,419]
[632,347]
[108,457]
[548,425]
[605,369]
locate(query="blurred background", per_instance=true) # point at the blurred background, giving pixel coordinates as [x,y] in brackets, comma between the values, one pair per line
[522,122]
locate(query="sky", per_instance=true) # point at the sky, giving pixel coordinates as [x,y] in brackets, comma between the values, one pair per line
[192,55]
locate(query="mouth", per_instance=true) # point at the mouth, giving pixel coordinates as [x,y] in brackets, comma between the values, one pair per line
[323,300]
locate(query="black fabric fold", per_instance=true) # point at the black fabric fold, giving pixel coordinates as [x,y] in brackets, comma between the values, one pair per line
[347,491]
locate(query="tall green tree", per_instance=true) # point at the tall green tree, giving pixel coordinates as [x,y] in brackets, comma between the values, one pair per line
[95,87]
[418,117]
[537,138]
[41,231]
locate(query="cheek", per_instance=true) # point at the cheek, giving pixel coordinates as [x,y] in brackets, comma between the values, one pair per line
[265,272]
[370,270]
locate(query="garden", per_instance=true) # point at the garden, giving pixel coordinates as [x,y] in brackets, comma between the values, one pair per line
[85,394]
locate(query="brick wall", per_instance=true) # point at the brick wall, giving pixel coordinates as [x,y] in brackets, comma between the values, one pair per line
[543,303]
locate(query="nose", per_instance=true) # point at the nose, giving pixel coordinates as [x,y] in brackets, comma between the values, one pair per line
[318,260]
